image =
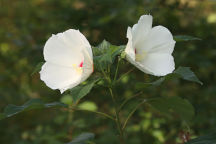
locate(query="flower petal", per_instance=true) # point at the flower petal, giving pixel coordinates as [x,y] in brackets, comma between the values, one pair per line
[66,48]
[141,30]
[158,64]
[79,40]
[88,66]
[59,77]
[159,40]
[129,50]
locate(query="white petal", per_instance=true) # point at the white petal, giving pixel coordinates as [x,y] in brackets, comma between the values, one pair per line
[141,29]
[79,39]
[159,40]
[158,64]
[88,66]
[66,48]
[129,50]
[59,77]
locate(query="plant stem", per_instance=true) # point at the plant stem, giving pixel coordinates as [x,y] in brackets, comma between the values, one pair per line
[97,112]
[131,113]
[116,72]
[128,99]
[118,122]
[124,75]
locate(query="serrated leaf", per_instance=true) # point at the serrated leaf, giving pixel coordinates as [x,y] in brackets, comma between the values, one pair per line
[37,68]
[168,105]
[11,109]
[83,138]
[206,139]
[180,38]
[187,74]
[105,54]
[80,91]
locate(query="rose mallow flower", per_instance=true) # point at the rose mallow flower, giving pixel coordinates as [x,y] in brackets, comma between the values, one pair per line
[150,48]
[69,60]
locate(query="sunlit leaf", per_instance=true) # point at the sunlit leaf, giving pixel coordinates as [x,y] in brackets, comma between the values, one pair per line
[11,109]
[83,138]
[88,105]
[187,74]
[206,139]
[178,105]
[180,38]
[37,68]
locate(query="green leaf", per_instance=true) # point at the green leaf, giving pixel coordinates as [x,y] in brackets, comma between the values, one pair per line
[83,138]
[80,91]
[105,54]
[187,74]
[168,105]
[141,85]
[11,109]
[206,139]
[37,68]
[182,72]
[158,81]
[180,38]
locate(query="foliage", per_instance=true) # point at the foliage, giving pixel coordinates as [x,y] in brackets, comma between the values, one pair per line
[206,139]
[11,110]
[81,139]
[26,25]
[185,38]
[168,105]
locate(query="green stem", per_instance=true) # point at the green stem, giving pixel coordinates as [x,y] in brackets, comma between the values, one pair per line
[124,75]
[128,99]
[118,122]
[116,72]
[97,112]
[131,113]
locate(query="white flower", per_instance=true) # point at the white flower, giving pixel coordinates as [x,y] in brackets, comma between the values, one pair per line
[69,60]
[150,49]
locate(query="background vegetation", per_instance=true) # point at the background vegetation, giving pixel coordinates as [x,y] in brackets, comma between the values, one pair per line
[25,25]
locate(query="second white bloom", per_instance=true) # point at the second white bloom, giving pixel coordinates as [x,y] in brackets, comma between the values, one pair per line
[150,49]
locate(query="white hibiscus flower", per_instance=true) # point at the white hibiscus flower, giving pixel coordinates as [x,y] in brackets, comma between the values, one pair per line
[69,60]
[150,48]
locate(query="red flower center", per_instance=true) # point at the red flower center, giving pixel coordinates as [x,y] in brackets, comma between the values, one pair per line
[81,64]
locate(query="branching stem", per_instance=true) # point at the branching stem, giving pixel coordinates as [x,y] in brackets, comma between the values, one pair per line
[118,122]
[131,113]
[96,112]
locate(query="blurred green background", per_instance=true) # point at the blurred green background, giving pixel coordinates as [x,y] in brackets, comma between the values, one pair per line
[25,25]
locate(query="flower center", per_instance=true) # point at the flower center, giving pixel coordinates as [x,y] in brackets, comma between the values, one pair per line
[78,68]
[140,55]
[81,64]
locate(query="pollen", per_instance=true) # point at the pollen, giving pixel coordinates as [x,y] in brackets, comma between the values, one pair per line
[79,68]
[140,56]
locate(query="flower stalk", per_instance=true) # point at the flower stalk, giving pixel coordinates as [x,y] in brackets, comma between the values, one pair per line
[118,121]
